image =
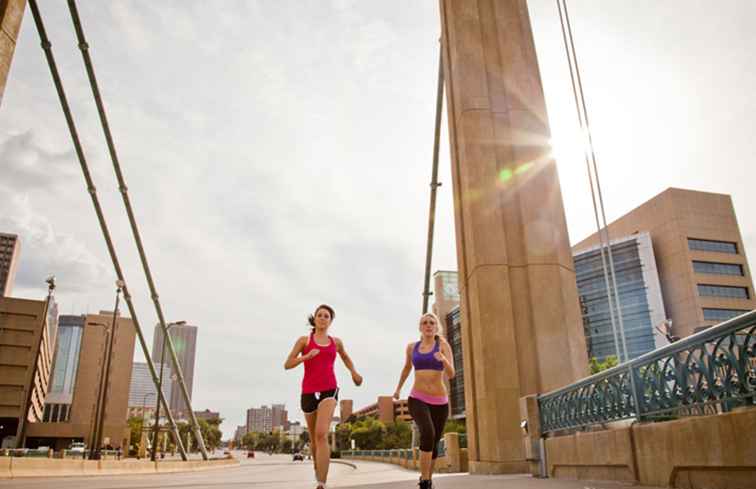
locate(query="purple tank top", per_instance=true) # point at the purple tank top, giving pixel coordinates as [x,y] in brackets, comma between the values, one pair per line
[425,361]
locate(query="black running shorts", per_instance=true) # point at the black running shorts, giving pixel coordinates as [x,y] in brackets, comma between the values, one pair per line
[311,401]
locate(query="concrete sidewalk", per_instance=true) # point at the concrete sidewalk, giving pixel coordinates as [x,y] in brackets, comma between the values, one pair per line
[504,482]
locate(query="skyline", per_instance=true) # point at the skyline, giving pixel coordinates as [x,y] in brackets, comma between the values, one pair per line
[249,105]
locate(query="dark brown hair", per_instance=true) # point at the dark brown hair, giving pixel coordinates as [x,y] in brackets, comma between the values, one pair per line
[311,317]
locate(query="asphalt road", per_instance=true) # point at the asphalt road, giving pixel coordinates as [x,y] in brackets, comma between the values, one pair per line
[263,472]
[278,472]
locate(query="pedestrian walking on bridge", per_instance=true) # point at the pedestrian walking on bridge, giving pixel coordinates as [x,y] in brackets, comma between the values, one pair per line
[320,390]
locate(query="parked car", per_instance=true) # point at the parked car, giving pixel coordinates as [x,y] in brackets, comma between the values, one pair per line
[297,457]
[250,454]
[77,447]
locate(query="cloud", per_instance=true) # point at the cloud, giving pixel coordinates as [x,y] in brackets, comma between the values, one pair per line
[46,251]
[28,165]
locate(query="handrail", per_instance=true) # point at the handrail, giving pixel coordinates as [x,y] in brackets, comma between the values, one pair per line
[711,371]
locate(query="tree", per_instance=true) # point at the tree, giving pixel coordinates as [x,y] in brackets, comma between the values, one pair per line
[250,441]
[397,435]
[609,362]
[455,426]
[368,434]
[135,427]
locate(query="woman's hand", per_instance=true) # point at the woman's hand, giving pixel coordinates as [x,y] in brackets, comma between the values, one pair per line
[440,357]
[357,379]
[311,354]
[397,394]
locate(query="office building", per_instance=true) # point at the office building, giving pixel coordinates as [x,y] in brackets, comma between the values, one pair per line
[386,410]
[346,407]
[260,420]
[77,423]
[453,322]
[279,417]
[239,434]
[184,339]
[10,248]
[142,390]
[28,330]
[65,366]
[207,415]
[640,298]
[699,252]
[446,295]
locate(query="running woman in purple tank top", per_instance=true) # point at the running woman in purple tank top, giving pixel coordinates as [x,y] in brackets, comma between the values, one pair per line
[428,402]
[317,352]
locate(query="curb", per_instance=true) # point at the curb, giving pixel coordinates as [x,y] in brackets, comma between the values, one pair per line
[343,462]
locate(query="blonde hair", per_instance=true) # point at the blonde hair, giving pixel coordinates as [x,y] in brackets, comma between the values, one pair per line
[435,318]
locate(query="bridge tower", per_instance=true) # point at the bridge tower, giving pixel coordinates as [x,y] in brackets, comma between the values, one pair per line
[521,324]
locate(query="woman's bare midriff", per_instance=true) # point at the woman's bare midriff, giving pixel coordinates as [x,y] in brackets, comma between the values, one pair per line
[430,382]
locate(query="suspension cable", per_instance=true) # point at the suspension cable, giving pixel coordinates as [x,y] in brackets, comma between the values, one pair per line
[590,157]
[434,180]
[84,47]
[47,47]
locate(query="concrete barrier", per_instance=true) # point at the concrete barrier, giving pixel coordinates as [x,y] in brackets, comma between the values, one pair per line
[45,467]
[716,451]
[128,466]
[19,467]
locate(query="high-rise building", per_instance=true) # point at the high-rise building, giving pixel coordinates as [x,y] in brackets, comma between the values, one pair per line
[260,420]
[27,342]
[239,434]
[10,248]
[446,294]
[279,416]
[703,270]
[184,339]
[453,321]
[640,298]
[76,421]
[65,366]
[142,390]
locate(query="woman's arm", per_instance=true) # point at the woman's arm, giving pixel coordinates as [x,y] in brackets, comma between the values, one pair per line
[405,371]
[294,357]
[444,355]
[357,378]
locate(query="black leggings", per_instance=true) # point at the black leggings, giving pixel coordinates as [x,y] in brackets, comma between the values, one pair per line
[430,420]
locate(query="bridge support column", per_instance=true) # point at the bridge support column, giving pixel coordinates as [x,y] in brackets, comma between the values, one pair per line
[11,14]
[521,325]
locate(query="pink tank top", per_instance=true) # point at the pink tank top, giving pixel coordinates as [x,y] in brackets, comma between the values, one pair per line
[319,375]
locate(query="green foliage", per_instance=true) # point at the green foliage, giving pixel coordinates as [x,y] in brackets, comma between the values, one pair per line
[135,427]
[249,441]
[370,434]
[455,426]
[398,435]
[609,362]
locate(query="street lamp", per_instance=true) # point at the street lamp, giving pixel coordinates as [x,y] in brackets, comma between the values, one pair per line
[156,426]
[105,376]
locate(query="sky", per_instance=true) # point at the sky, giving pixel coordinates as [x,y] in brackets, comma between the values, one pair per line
[278,156]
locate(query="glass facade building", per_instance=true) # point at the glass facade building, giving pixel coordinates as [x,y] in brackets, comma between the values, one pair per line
[142,390]
[65,366]
[640,297]
[457,384]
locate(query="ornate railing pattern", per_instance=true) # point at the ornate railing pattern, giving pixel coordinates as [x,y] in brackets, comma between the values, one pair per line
[709,372]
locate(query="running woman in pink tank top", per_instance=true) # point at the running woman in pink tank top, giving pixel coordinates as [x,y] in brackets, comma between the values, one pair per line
[319,388]
[428,402]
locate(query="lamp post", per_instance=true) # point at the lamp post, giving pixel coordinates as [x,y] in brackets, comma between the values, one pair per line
[103,393]
[156,425]
[142,436]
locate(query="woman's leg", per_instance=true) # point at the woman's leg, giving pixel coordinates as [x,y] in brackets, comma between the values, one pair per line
[421,416]
[322,426]
[311,419]
[438,417]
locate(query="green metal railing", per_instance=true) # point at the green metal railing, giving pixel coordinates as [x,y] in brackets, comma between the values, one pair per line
[709,372]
